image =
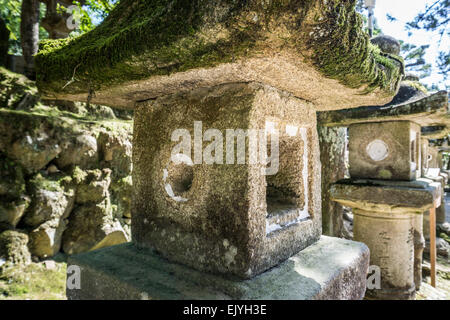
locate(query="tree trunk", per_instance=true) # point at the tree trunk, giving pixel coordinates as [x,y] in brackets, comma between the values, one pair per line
[29,34]
[4,39]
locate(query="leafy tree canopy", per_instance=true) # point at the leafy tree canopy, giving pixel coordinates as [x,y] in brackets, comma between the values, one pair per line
[414,59]
[435,18]
[10,13]
[91,13]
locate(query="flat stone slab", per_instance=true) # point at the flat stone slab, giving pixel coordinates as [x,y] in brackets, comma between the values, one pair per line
[332,268]
[386,196]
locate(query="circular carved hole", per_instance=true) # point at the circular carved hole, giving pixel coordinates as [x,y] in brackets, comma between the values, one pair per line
[377,150]
[180,177]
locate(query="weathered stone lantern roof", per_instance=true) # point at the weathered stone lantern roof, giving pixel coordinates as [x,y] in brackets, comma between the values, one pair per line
[411,103]
[315,50]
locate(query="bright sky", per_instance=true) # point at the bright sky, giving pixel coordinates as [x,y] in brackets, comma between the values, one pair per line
[405,11]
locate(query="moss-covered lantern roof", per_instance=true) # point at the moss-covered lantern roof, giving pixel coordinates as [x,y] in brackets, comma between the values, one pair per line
[313,49]
[410,103]
[436,132]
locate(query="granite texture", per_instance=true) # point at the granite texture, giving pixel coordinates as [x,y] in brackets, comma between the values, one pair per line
[396,157]
[332,268]
[226,217]
[387,196]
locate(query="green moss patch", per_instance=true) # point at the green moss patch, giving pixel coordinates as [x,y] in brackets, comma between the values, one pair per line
[12,182]
[16,91]
[34,282]
[342,51]
[144,38]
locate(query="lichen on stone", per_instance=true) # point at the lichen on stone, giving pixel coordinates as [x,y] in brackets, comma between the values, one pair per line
[12,182]
[416,85]
[13,249]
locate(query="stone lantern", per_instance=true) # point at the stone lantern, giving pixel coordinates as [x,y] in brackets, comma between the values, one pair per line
[387,202]
[370,5]
[434,172]
[386,191]
[210,83]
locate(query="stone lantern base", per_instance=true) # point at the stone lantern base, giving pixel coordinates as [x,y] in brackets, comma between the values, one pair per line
[390,237]
[332,268]
[388,219]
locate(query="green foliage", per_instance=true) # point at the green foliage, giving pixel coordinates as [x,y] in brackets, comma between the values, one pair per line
[444,63]
[10,13]
[435,18]
[414,59]
[33,282]
[101,7]
[92,11]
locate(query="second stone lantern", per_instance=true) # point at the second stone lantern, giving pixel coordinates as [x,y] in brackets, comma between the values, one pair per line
[387,158]
[388,199]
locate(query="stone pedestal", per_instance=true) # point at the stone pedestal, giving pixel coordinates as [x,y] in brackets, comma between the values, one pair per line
[390,239]
[331,268]
[225,223]
[227,191]
[441,210]
[387,216]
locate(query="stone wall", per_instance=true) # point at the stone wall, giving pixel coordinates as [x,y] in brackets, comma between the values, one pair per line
[65,173]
